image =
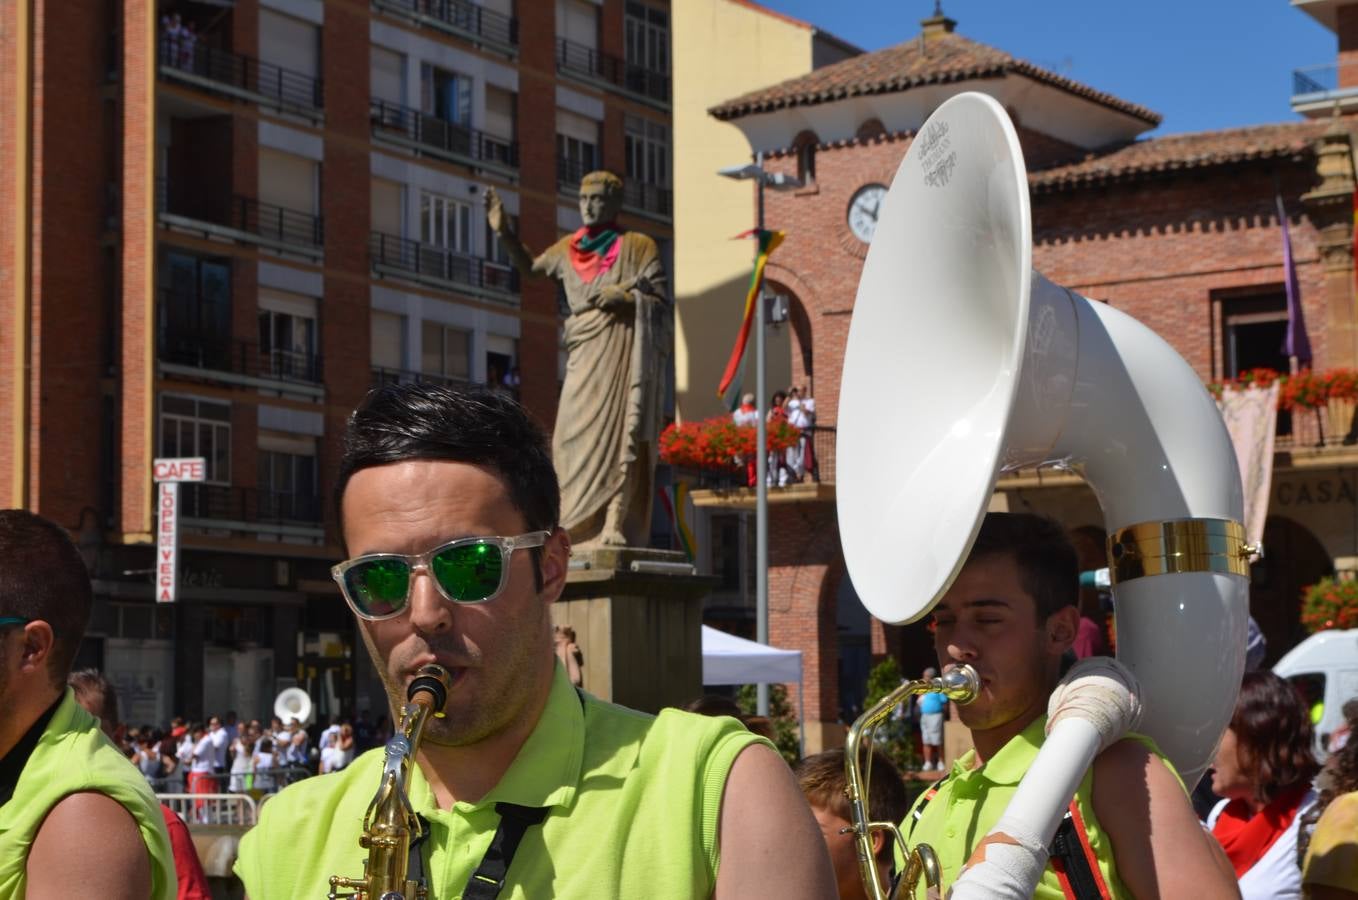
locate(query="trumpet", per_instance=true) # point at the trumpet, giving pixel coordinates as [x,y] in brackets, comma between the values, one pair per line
[960,684]
[390,826]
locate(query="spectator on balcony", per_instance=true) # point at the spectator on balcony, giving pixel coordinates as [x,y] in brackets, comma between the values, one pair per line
[747,416]
[801,413]
[779,473]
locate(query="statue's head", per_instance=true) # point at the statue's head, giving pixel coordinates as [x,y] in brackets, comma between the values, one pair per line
[600,197]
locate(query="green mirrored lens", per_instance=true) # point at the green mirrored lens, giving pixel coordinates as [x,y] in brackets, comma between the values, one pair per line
[470,572]
[379,587]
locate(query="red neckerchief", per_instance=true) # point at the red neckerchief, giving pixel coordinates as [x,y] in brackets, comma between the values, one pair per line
[1246,838]
[593,251]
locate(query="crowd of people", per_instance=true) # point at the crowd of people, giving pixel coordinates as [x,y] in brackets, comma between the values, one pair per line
[794,407]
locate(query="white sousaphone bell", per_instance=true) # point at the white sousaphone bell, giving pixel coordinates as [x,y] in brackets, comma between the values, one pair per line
[294,703]
[992,368]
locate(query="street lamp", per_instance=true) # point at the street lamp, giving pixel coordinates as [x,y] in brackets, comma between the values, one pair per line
[778,181]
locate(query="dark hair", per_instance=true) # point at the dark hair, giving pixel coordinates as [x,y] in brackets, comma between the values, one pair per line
[1340,776]
[43,577]
[403,422]
[715,705]
[822,780]
[1048,571]
[96,693]
[1273,735]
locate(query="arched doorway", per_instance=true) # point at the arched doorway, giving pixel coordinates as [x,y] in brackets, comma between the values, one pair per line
[1294,559]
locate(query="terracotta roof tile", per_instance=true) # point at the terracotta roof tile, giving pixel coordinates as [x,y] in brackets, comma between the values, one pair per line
[1178,152]
[942,58]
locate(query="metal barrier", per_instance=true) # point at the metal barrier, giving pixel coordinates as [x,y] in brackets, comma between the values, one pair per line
[213,809]
[253,784]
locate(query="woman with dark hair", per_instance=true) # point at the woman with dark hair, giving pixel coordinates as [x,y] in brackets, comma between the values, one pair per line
[1263,769]
[1329,851]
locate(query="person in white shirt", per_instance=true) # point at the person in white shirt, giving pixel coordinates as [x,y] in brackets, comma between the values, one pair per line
[201,779]
[219,740]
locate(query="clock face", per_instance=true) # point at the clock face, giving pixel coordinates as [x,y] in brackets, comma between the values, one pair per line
[864,208]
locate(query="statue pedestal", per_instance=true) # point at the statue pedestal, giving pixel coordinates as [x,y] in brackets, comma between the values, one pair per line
[637,616]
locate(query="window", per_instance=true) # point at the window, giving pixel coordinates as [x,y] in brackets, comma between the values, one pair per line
[388,340]
[731,549]
[446,95]
[805,146]
[501,115]
[577,143]
[386,207]
[190,426]
[287,484]
[387,75]
[287,335]
[445,351]
[196,299]
[445,222]
[289,43]
[578,22]
[1253,331]
[287,181]
[648,37]
[647,145]
[502,368]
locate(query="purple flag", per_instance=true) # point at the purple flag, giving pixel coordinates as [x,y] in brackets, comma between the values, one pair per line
[1296,343]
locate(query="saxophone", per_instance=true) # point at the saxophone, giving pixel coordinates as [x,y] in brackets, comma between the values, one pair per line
[390,825]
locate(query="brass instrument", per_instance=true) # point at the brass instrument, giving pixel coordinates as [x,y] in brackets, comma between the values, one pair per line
[959,684]
[390,825]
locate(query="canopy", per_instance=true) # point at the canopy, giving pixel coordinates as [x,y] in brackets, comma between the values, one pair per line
[728,659]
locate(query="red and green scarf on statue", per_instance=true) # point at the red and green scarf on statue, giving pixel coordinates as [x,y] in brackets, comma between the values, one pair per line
[594,250]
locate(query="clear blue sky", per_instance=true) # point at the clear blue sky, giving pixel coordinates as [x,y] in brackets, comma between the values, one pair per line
[1201,64]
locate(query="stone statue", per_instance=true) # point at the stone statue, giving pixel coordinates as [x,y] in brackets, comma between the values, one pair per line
[618,339]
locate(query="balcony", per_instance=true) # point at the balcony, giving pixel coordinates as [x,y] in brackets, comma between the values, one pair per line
[444,268]
[202,355]
[648,200]
[240,77]
[460,18]
[1317,91]
[817,484]
[240,219]
[612,74]
[429,135]
[216,506]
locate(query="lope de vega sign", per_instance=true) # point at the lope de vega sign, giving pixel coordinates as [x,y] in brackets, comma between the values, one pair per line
[168,473]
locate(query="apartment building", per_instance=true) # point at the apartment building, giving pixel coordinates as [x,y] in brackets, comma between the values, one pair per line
[222,223]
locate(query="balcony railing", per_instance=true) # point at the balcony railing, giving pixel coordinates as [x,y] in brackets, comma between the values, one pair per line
[459,17]
[383,376]
[430,134]
[239,76]
[241,504]
[1318,90]
[246,217]
[591,65]
[636,195]
[648,198]
[425,262]
[211,353]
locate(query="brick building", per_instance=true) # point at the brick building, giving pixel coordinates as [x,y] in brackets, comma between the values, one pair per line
[1179,231]
[221,223]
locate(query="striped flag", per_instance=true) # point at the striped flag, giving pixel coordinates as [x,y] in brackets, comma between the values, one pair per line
[734,375]
[673,500]
[1296,344]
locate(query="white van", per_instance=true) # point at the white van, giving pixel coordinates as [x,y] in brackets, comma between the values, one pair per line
[1324,667]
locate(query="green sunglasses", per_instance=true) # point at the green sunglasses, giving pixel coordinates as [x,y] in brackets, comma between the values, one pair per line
[14,620]
[467,570]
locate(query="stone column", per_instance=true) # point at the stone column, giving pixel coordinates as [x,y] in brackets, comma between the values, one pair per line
[1330,209]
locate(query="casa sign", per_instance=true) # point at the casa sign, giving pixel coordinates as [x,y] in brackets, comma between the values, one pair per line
[168,473]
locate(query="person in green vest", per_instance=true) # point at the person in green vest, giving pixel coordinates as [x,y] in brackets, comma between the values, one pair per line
[76,818]
[1012,613]
[528,786]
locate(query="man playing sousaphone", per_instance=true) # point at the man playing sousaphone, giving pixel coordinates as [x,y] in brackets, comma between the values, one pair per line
[527,787]
[1012,614]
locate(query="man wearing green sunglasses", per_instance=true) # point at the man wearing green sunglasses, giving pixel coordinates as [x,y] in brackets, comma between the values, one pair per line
[448,504]
[76,819]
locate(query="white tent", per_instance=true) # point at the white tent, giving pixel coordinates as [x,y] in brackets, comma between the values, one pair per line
[728,659]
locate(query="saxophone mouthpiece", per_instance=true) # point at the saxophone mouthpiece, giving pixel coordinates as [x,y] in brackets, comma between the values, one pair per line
[961,684]
[430,687]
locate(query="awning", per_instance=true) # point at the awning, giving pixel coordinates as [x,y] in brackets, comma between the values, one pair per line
[728,659]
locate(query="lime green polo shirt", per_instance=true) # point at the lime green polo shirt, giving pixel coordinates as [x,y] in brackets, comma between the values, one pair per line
[71,757]
[971,800]
[633,805]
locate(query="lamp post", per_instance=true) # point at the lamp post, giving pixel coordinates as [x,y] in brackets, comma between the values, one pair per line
[778,181]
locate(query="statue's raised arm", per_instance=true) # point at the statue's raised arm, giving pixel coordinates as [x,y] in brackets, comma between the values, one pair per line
[618,340]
